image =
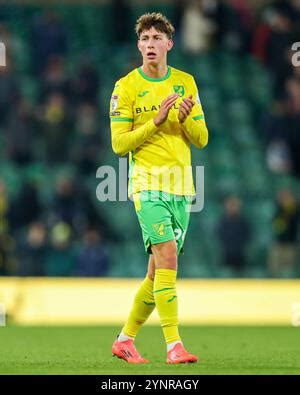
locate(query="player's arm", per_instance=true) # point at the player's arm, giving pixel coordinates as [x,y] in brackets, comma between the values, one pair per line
[123,135]
[191,118]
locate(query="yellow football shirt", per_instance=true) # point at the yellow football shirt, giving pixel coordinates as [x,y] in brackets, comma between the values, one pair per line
[159,157]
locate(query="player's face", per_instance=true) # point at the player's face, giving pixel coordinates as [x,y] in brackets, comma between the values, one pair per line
[154,46]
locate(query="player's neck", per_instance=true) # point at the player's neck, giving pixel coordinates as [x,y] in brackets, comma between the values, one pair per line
[155,71]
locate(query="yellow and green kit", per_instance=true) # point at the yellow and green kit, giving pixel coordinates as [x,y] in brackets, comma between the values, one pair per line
[159,157]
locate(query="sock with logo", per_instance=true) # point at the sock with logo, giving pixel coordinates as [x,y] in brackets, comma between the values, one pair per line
[165,297]
[143,305]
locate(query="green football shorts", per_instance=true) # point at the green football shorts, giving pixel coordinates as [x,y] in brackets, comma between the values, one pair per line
[162,217]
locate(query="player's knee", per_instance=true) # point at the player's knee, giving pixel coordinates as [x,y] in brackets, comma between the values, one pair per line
[168,261]
[171,260]
[165,256]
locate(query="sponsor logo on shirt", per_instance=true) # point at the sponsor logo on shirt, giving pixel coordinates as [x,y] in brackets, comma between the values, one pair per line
[156,107]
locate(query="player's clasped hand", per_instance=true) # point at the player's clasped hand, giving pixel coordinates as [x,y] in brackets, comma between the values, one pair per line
[185,108]
[165,107]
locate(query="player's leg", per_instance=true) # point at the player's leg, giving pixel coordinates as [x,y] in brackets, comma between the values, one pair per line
[166,262]
[143,305]
[165,296]
[165,255]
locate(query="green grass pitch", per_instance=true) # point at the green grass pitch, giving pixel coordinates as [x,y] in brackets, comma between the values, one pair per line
[87,350]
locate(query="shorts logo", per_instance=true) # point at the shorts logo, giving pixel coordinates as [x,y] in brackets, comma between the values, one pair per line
[114,102]
[160,229]
[179,89]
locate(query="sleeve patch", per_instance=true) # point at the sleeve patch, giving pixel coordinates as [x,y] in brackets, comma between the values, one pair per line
[197,117]
[114,102]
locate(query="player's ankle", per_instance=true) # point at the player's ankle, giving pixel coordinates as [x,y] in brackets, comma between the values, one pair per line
[123,337]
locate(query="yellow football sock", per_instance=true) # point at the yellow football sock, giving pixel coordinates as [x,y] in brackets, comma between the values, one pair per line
[143,305]
[165,297]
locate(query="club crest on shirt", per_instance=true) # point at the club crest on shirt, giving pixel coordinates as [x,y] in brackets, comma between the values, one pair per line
[179,89]
[114,102]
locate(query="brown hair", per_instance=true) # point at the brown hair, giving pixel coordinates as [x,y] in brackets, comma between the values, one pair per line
[157,20]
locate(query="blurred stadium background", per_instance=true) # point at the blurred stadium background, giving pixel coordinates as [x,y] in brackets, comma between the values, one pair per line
[62,61]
